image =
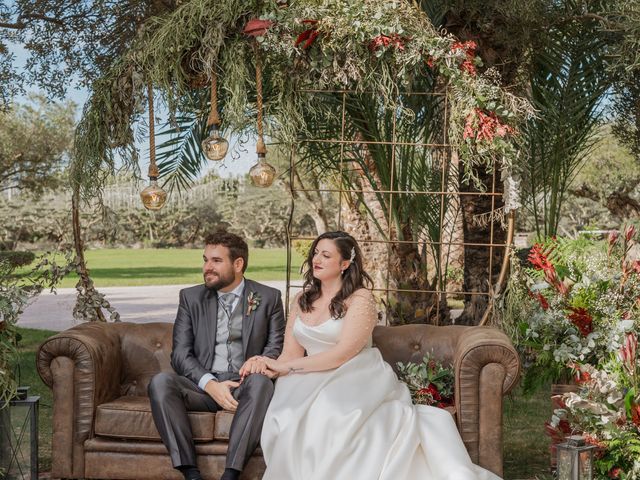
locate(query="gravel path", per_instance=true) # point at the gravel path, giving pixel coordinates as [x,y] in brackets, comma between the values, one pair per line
[135,304]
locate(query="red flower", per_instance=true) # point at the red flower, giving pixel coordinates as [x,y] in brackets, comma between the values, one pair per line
[581,318]
[543,301]
[256,27]
[469,48]
[431,62]
[308,36]
[484,126]
[593,440]
[539,258]
[582,377]
[470,68]
[431,391]
[613,237]
[635,415]
[559,433]
[385,40]
[615,472]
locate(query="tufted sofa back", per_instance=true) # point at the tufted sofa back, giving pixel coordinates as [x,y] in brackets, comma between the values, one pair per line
[410,343]
[145,350]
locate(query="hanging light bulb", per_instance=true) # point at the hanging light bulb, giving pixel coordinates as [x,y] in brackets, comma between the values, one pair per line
[214,146]
[153,197]
[262,173]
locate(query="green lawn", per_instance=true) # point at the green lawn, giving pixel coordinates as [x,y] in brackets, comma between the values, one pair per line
[128,267]
[526,454]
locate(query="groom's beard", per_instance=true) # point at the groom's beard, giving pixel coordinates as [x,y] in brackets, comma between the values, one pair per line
[218,280]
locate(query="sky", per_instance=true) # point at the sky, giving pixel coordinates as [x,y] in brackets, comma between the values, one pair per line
[237,162]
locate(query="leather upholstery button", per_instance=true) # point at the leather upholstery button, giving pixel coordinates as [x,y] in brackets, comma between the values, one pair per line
[158,345]
[135,382]
[416,347]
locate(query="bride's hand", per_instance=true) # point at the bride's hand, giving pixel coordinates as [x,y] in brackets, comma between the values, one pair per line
[253,365]
[276,366]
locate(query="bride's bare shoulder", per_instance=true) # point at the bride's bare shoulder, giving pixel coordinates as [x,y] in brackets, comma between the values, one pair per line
[361,295]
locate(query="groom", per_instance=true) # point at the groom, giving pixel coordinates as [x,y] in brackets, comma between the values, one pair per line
[219,325]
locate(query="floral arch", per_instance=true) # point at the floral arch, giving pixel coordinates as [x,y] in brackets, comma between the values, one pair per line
[375,76]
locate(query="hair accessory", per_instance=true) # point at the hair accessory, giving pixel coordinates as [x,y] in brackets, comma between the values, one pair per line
[353,254]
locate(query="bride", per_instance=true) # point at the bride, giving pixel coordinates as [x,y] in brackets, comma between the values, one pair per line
[340,412]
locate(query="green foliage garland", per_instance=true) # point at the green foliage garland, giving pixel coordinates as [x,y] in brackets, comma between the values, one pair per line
[367,45]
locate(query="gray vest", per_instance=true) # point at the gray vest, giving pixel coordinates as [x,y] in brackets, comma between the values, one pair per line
[228,348]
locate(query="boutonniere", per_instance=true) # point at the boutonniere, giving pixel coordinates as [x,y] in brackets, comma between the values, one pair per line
[253,301]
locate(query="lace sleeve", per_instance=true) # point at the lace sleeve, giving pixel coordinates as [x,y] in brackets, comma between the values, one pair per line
[291,349]
[359,321]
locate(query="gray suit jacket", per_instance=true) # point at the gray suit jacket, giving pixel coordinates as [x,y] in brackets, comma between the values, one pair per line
[194,331]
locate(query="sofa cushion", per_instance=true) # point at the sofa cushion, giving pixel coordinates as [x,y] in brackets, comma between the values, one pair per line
[130,417]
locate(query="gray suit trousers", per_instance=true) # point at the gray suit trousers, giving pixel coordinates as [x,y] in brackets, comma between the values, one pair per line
[172,395]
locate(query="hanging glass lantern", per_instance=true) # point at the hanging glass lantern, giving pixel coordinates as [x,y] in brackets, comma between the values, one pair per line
[262,173]
[575,459]
[153,197]
[214,146]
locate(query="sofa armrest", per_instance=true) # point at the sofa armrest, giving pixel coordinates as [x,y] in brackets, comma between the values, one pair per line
[83,367]
[486,368]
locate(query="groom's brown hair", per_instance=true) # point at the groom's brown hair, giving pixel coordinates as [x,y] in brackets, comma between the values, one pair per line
[237,246]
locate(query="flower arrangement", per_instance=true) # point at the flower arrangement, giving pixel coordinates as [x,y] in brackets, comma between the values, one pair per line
[429,382]
[606,409]
[573,305]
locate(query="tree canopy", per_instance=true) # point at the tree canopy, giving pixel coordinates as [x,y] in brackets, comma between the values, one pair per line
[35,144]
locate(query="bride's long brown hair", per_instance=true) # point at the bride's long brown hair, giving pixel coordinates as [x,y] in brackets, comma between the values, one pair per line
[354,276]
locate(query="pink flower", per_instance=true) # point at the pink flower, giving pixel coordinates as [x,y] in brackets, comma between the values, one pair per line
[613,237]
[628,353]
[629,232]
[469,67]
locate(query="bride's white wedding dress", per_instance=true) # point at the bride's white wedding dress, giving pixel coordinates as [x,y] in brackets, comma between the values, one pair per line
[357,422]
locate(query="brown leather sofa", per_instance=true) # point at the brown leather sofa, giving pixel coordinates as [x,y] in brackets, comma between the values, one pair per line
[102,424]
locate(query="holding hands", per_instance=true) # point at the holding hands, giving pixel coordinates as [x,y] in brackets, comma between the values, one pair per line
[265,366]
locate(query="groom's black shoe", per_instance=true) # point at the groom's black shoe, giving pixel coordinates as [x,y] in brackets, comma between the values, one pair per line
[230,474]
[190,473]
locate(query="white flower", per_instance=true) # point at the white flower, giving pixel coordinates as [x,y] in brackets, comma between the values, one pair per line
[614,397]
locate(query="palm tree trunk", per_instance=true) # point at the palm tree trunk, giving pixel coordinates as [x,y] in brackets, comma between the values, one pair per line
[481,263]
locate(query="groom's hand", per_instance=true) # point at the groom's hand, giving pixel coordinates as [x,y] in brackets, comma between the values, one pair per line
[253,365]
[221,393]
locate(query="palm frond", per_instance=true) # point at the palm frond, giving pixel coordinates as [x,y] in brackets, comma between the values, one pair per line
[180,158]
[568,82]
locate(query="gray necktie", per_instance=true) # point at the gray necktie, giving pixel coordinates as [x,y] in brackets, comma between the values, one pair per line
[226,300]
